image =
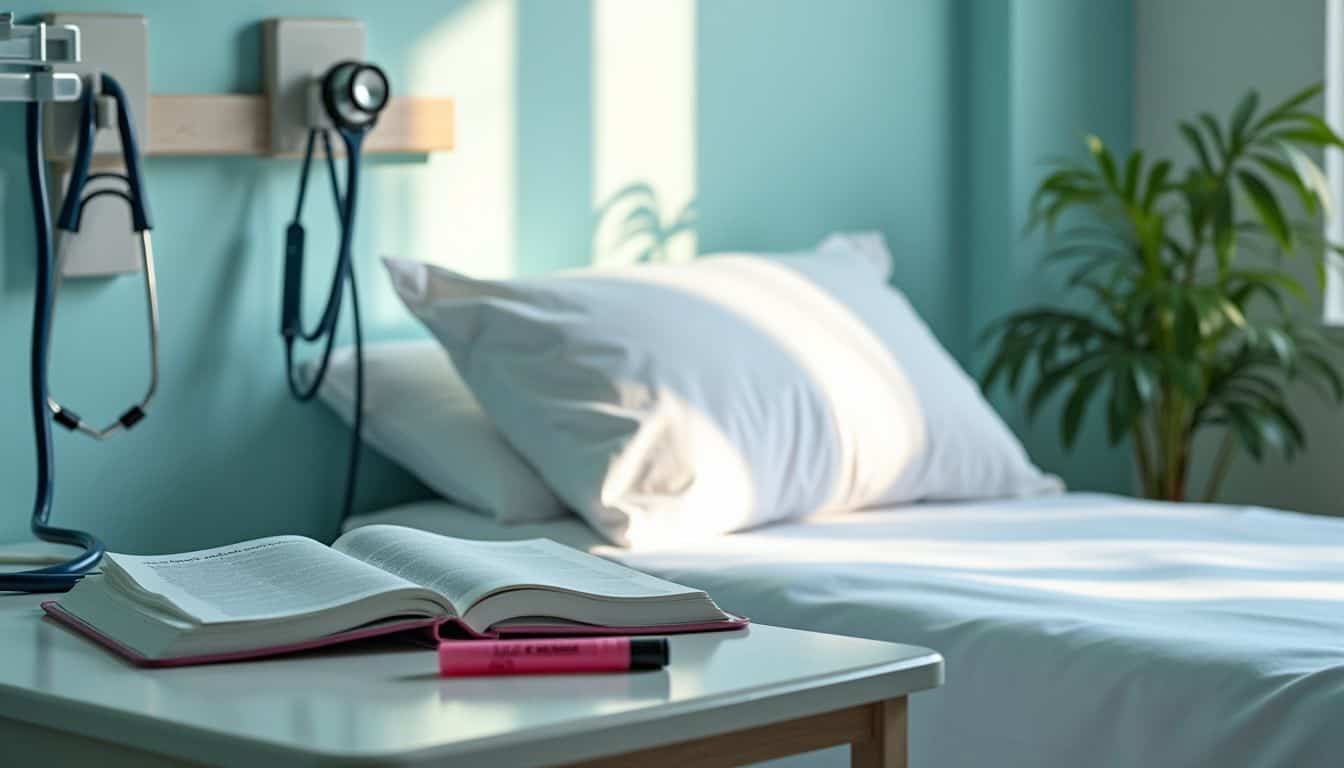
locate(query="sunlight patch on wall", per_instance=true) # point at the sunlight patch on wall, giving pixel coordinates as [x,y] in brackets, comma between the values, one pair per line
[644,140]
[462,212]
[1334,159]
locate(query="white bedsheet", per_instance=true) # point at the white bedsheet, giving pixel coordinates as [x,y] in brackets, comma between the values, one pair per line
[1078,630]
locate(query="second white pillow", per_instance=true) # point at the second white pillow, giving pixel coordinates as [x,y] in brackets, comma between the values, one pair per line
[420,414]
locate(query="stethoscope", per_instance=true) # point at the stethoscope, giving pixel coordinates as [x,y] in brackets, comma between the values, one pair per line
[71,212]
[353,94]
[62,576]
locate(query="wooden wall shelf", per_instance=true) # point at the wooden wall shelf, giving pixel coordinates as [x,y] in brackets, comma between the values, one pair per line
[239,124]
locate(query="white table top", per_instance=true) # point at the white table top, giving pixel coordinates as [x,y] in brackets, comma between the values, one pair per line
[385,703]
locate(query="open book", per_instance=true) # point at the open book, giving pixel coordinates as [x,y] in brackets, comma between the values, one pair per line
[287,593]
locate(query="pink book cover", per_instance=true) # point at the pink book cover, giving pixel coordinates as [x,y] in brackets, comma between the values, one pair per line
[430,629]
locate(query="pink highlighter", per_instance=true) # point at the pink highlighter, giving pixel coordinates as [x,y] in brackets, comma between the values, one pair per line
[550,656]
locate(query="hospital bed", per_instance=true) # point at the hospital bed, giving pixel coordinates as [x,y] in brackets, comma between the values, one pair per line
[1079,629]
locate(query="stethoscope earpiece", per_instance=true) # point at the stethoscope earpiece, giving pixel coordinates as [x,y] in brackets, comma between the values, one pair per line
[353,94]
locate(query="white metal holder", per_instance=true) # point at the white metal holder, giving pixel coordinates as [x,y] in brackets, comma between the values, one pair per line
[295,53]
[39,86]
[117,45]
[37,44]
[31,50]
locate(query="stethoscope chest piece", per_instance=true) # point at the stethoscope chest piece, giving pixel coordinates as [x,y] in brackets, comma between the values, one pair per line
[354,93]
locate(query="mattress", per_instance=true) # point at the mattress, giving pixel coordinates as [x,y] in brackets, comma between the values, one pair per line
[1080,629]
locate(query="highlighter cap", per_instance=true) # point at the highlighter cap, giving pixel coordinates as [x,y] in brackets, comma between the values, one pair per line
[648,652]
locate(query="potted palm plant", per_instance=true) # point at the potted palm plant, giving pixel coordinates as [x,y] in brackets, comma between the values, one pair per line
[1192,321]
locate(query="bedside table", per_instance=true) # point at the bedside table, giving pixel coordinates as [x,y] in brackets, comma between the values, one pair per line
[727,698]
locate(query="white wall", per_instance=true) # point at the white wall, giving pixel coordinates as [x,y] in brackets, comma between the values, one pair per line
[1197,55]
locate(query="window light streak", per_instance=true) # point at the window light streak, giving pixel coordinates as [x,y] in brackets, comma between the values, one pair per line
[644,115]
[1333,303]
[1183,589]
[463,207]
[1118,576]
[1061,509]
[1113,556]
[1106,566]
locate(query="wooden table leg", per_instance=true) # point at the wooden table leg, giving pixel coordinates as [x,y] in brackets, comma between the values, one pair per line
[887,746]
[875,731]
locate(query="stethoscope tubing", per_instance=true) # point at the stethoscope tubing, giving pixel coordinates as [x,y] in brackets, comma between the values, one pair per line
[352,123]
[61,576]
[325,332]
[58,577]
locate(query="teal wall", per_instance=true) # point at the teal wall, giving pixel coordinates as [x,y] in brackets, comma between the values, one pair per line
[919,118]
[818,117]
[1044,73]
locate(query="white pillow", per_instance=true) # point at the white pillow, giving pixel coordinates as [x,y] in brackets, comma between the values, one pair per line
[669,402]
[420,414]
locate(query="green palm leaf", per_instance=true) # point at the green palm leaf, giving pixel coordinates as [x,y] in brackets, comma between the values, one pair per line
[1267,205]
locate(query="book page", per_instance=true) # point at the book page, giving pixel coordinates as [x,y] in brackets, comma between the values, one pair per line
[253,580]
[465,571]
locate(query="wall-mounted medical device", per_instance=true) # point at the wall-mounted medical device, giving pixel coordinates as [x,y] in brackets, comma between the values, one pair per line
[92,146]
[89,114]
[28,55]
[318,85]
[127,186]
[116,45]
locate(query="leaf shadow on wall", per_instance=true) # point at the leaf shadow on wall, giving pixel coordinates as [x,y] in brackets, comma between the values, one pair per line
[630,227]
